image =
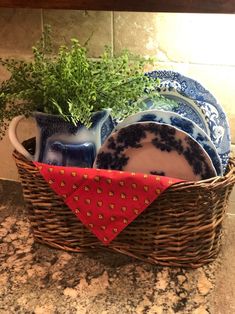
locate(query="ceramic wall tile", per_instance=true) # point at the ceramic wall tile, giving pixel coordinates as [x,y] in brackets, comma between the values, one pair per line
[19,30]
[178,67]
[231,118]
[8,168]
[208,37]
[136,32]
[195,38]
[4,74]
[82,25]
[151,34]
[175,37]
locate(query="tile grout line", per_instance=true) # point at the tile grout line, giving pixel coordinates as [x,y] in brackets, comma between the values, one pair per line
[196,63]
[112,33]
[42,21]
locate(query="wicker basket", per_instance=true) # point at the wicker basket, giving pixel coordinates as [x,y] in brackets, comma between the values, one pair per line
[181,228]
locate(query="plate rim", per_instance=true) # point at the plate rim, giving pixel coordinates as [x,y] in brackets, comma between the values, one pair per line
[157,123]
[214,103]
[165,112]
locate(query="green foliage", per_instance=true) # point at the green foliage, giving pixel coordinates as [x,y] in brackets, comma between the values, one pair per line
[72,85]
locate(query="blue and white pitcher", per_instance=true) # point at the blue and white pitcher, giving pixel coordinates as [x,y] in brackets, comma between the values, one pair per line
[61,143]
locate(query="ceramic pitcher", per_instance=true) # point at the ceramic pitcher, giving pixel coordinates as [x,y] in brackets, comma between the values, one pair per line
[61,143]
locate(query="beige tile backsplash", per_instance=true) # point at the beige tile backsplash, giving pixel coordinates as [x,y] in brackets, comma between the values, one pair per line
[94,27]
[198,45]
[136,32]
[19,30]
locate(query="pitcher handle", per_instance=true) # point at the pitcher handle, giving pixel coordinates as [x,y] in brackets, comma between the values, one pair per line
[14,139]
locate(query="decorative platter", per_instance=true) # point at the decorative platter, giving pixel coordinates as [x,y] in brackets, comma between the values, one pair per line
[178,121]
[199,105]
[155,148]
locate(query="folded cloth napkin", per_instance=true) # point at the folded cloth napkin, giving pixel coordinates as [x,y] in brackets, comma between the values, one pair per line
[105,201]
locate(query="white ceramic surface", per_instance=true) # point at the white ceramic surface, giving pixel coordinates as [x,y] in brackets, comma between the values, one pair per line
[184,124]
[155,148]
[59,142]
[199,105]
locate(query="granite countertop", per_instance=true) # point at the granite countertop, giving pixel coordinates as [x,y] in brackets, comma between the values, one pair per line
[35,278]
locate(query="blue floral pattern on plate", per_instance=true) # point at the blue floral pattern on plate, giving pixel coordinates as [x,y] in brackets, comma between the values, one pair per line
[201,107]
[155,148]
[184,124]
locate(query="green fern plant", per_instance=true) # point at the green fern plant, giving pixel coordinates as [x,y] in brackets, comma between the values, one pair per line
[70,84]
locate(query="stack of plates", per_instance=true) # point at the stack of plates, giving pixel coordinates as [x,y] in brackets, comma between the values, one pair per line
[190,141]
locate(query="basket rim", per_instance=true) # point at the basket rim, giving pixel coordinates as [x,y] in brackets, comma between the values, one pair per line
[228,178]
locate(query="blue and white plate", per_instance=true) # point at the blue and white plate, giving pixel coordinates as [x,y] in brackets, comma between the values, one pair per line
[184,124]
[155,148]
[199,105]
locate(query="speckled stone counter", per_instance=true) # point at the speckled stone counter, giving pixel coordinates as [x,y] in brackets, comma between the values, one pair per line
[38,279]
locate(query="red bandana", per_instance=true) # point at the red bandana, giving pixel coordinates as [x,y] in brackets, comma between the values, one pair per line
[105,201]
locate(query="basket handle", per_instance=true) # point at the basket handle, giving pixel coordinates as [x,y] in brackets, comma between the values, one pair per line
[12,133]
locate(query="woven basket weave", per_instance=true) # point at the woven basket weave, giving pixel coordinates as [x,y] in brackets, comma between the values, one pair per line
[182,227]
